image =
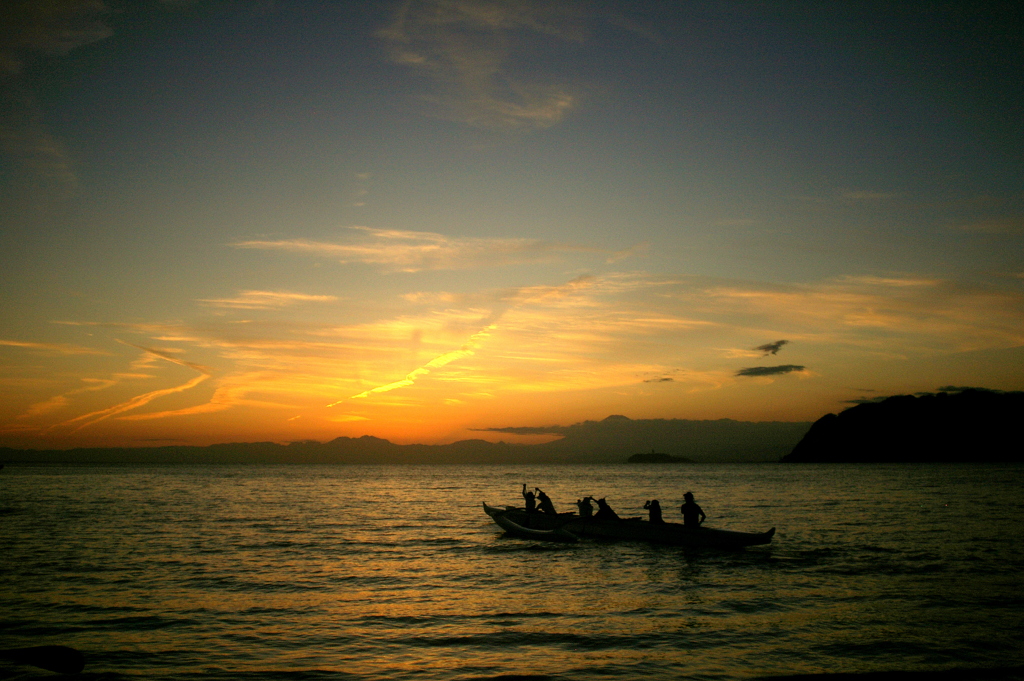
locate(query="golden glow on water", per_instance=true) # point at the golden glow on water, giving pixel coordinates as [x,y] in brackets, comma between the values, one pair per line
[396,572]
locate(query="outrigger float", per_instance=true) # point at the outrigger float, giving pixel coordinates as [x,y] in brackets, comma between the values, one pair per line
[569,527]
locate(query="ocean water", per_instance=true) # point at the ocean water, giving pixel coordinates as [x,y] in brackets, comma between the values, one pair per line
[363,572]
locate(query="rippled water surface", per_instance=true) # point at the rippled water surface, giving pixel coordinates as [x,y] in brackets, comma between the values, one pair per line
[352,572]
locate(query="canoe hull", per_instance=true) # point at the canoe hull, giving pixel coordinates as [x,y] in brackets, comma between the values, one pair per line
[515,529]
[632,529]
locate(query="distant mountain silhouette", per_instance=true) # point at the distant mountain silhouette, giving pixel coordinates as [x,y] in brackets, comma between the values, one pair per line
[657,457]
[607,441]
[966,424]
[361,450]
[722,440]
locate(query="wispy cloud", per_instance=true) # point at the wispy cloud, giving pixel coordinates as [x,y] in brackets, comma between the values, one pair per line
[347,418]
[169,355]
[861,195]
[361,189]
[140,400]
[514,300]
[408,251]
[134,403]
[903,314]
[628,334]
[467,349]
[29,29]
[60,401]
[468,48]
[232,392]
[899,282]
[265,300]
[1013,225]
[55,348]
[639,249]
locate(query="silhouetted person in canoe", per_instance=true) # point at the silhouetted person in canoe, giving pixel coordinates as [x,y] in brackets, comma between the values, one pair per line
[544,502]
[693,515]
[605,512]
[654,509]
[586,510]
[531,500]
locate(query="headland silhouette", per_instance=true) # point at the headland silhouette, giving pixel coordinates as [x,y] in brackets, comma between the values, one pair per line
[953,425]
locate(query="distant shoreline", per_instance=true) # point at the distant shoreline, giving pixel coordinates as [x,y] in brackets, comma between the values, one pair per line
[610,440]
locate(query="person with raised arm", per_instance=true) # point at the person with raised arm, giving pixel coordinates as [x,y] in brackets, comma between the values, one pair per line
[654,509]
[586,510]
[531,500]
[544,502]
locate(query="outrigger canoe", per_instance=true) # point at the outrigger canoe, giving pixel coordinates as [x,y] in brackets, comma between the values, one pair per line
[542,526]
[516,530]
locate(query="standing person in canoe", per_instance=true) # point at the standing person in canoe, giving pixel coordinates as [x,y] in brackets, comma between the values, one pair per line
[531,500]
[544,502]
[693,515]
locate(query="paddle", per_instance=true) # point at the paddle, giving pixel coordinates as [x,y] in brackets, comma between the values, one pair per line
[60,659]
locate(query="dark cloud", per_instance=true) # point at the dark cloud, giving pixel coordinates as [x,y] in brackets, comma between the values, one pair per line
[772,348]
[31,28]
[525,430]
[663,379]
[867,400]
[962,388]
[923,393]
[51,27]
[769,371]
[613,438]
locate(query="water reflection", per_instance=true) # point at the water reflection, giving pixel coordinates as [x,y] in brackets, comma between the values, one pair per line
[358,569]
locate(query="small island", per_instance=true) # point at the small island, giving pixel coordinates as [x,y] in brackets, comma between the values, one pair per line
[657,457]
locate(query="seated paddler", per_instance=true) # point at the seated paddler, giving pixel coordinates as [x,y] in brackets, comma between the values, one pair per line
[586,510]
[605,512]
[654,510]
[544,502]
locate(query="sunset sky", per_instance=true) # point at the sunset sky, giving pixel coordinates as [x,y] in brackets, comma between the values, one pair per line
[241,221]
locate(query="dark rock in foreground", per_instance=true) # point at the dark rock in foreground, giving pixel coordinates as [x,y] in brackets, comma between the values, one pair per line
[972,425]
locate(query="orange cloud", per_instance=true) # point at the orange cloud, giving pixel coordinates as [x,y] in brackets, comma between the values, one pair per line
[265,300]
[466,350]
[134,403]
[408,251]
[232,392]
[58,348]
[60,401]
[140,400]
